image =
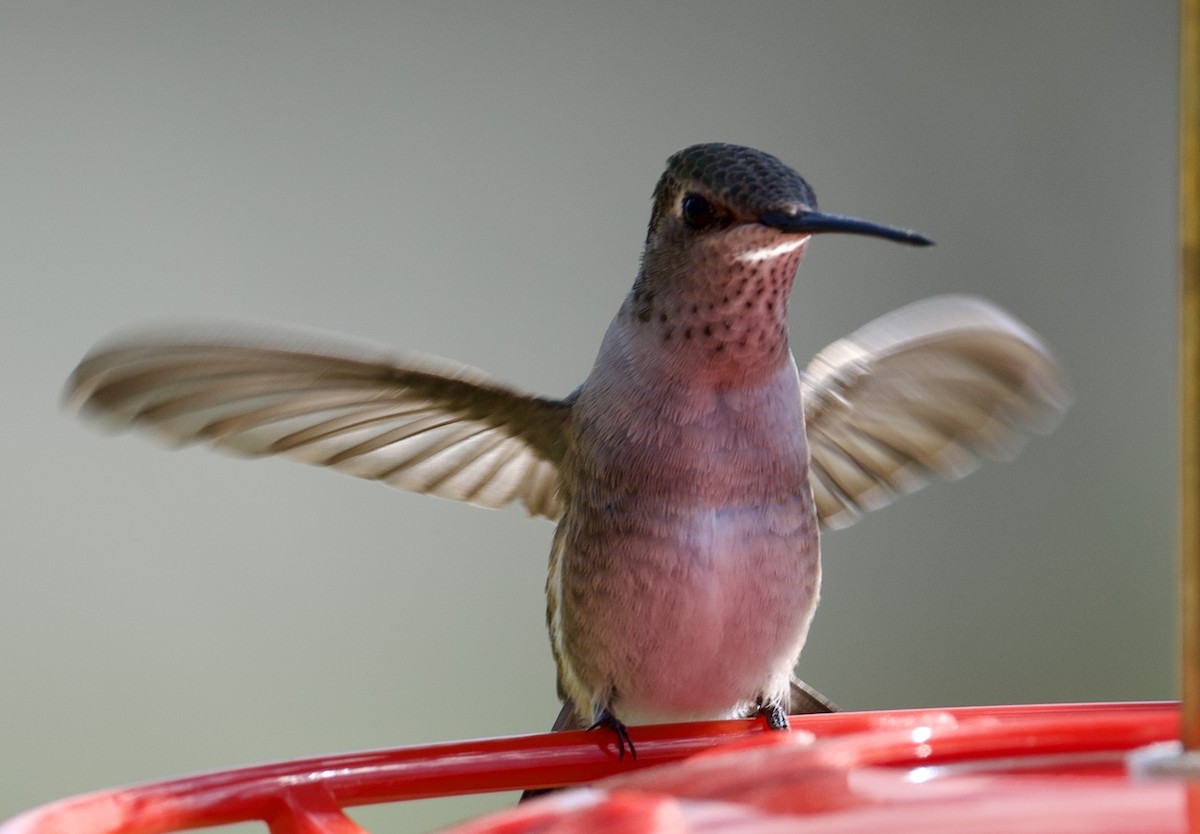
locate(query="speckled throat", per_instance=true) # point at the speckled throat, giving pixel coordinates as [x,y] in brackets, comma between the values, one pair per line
[726,314]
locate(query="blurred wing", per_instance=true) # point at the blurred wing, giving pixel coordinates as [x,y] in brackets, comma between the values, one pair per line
[929,389]
[425,425]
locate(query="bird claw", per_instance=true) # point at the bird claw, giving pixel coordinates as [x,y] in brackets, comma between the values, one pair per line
[607,720]
[774,714]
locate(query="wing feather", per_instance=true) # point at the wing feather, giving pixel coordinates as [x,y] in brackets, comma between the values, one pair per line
[416,423]
[928,390]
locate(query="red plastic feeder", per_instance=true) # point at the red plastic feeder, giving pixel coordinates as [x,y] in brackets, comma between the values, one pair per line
[1062,768]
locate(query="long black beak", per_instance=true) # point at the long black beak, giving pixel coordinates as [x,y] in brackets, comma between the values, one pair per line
[815,222]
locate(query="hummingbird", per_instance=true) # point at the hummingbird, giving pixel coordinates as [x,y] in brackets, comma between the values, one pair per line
[691,472]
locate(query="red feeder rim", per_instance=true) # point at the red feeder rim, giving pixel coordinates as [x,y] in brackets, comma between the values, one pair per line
[1035,758]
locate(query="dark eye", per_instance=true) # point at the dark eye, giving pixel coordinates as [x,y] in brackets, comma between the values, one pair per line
[697,212]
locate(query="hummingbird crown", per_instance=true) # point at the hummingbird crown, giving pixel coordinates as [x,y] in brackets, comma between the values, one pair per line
[743,181]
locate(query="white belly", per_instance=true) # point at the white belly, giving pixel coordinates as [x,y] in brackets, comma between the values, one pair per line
[694,625]
[686,565]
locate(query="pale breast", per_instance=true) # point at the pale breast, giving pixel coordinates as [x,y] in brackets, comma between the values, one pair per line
[689,564]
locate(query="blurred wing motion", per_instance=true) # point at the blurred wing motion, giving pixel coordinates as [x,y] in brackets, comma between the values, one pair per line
[425,425]
[928,389]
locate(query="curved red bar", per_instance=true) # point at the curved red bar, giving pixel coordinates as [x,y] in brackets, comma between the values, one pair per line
[740,764]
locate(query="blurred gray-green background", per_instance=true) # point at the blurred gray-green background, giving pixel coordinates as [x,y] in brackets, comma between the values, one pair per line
[474,181]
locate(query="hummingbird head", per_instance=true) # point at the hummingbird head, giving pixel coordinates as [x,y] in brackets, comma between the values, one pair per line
[713,187]
[727,232]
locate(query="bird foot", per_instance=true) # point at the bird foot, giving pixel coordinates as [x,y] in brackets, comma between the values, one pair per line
[608,721]
[774,714]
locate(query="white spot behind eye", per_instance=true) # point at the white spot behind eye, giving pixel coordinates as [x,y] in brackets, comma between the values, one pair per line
[767,253]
